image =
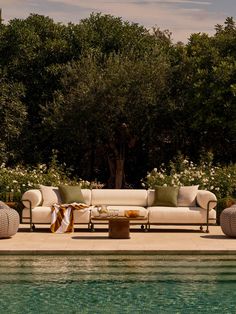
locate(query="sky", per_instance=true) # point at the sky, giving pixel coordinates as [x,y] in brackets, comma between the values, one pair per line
[180,17]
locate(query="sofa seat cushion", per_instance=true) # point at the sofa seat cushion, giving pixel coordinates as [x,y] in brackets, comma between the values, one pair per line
[82,216]
[143,212]
[178,215]
[42,214]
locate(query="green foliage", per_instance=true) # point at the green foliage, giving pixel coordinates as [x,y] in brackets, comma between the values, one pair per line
[15,181]
[99,98]
[224,203]
[74,87]
[12,116]
[212,66]
[181,172]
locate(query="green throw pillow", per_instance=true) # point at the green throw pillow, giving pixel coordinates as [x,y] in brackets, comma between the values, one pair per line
[166,196]
[70,194]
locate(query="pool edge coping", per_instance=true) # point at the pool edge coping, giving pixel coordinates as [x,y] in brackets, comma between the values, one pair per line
[117,252]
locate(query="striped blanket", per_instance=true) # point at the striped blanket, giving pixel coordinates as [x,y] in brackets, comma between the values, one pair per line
[62,217]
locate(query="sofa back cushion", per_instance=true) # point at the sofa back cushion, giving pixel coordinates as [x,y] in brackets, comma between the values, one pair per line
[119,197]
[187,195]
[87,196]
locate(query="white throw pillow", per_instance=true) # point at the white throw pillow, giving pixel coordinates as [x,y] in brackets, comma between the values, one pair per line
[187,196]
[50,195]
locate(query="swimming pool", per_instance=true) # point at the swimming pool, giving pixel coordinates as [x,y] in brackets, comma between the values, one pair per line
[118,284]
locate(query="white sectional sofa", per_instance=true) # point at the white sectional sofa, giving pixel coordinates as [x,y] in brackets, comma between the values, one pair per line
[37,209]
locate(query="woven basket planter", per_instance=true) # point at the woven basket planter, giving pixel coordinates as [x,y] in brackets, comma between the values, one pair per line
[9,221]
[228,221]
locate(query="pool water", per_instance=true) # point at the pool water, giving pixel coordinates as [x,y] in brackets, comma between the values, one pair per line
[118,284]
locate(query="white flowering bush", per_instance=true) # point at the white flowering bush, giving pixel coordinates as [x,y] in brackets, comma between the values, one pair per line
[182,172]
[15,181]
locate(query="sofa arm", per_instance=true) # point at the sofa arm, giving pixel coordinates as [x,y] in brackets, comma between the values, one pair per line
[206,199]
[32,198]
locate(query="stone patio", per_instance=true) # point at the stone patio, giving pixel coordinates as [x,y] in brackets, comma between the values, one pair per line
[159,240]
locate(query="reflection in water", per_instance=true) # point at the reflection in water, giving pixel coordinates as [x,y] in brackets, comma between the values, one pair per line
[117,283]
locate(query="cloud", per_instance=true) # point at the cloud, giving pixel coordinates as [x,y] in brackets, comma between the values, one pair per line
[192,2]
[181,17]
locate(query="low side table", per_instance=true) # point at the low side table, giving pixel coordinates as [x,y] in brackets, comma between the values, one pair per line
[119,228]
[228,221]
[9,221]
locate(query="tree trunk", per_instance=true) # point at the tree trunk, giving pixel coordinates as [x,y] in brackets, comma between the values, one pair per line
[119,173]
[112,169]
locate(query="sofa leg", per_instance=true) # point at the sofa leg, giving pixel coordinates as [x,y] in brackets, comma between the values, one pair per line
[92,227]
[142,227]
[201,228]
[146,228]
[32,228]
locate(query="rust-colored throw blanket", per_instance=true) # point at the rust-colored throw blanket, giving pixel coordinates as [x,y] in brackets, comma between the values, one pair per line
[62,218]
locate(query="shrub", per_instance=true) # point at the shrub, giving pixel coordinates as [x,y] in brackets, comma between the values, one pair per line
[219,180]
[15,181]
[222,204]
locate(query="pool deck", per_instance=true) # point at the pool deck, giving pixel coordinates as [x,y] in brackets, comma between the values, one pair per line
[159,240]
